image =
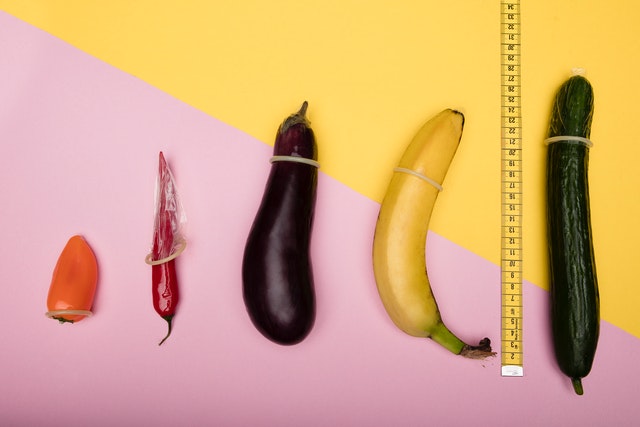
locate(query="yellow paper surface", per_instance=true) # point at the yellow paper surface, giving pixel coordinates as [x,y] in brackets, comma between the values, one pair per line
[374,71]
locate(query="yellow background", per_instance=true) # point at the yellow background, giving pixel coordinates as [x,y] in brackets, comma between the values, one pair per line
[373,71]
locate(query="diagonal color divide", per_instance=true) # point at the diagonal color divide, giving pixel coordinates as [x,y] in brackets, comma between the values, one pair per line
[373,75]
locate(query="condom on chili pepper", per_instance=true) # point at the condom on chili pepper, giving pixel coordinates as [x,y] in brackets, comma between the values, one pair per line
[168,243]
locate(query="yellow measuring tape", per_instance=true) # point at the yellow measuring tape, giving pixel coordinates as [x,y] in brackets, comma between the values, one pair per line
[511,246]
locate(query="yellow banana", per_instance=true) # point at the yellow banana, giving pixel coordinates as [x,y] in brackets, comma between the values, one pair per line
[401,232]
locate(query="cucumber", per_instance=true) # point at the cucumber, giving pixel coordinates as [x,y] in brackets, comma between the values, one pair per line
[575,301]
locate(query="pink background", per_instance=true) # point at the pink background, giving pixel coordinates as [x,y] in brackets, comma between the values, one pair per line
[79,149]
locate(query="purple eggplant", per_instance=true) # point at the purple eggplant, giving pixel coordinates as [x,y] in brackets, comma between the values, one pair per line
[277,276]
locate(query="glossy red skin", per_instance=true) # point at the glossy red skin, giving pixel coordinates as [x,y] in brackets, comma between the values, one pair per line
[165,291]
[165,288]
[278,286]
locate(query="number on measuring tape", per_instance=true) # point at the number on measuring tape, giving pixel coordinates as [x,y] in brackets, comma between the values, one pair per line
[511,170]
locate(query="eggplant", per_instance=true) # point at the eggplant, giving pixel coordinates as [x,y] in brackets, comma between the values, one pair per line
[277,277]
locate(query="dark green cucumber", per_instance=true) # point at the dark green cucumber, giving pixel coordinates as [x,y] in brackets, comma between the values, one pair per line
[575,304]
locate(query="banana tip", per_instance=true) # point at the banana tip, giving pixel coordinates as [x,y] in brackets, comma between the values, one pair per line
[481,351]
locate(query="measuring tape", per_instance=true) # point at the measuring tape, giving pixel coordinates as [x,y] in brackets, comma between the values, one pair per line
[511,246]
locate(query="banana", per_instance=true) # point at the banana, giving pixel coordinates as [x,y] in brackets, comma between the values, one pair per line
[401,233]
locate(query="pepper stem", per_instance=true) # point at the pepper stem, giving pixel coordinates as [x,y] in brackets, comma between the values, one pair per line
[168,319]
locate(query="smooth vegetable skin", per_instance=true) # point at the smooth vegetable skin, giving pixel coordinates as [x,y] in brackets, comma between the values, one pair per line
[73,285]
[575,305]
[278,288]
[400,238]
[165,290]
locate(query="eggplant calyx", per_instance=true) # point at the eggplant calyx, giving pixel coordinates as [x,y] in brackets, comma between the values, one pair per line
[297,118]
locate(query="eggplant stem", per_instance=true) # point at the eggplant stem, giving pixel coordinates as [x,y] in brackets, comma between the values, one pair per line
[303,109]
[297,118]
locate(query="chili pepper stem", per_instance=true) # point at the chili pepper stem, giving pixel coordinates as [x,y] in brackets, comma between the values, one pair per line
[168,319]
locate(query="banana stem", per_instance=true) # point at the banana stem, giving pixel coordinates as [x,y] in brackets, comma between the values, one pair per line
[443,336]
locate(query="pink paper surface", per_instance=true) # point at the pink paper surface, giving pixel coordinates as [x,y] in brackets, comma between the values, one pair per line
[80,141]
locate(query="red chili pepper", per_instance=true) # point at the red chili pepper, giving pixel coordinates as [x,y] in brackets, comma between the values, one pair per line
[165,282]
[167,243]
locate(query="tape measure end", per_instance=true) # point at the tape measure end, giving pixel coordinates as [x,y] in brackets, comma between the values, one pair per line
[512,371]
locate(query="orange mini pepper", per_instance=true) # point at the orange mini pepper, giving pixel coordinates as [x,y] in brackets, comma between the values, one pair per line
[74,281]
